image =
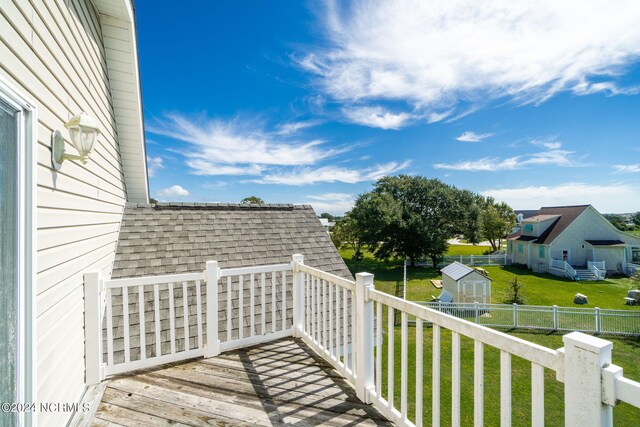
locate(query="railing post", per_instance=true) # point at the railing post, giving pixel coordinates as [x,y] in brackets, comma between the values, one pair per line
[555,317]
[212,274]
[364,337]
[298,296]
[515,316]
[93,296]
[585,357]
[475,303]
[597,312]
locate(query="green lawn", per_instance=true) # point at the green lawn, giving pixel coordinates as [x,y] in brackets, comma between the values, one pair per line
[539,289]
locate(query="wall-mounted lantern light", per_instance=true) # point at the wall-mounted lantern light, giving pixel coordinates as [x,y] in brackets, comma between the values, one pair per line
[83,130]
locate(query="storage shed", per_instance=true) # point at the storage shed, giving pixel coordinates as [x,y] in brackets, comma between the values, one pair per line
[466,284]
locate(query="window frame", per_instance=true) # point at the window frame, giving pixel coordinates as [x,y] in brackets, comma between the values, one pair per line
[26,245]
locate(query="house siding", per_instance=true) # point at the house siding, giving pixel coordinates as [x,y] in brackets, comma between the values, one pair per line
[589,225]
[53,53]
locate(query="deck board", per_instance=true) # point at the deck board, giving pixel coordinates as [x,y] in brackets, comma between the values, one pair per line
[272,384]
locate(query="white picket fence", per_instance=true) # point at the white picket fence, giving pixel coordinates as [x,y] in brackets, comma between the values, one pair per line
[551,318]
[472,260]
[342,321]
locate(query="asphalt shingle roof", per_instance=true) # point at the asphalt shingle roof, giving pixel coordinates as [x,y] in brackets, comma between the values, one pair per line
[181,237]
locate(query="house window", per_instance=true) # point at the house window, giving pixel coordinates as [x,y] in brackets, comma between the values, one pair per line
[635,255]
[528,228]
[520,248]
[541,251]
[17,117]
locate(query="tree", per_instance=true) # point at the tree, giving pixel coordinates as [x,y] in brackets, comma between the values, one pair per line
[153,201]
[327,216]
[408,217]
[515,292]
[635,218]
[617,221]
[251,200]
[344,235]
[497,221]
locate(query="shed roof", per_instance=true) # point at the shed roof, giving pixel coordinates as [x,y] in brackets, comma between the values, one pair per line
[457,271]
[169,238]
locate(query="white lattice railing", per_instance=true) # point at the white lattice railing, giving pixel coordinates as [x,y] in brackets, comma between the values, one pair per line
[344,322]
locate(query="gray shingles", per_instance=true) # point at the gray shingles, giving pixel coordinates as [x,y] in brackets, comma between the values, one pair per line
[234,235]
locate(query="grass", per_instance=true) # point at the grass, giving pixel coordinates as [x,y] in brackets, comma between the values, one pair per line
[540,289]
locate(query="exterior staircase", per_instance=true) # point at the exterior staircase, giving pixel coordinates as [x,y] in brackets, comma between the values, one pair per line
[585,275]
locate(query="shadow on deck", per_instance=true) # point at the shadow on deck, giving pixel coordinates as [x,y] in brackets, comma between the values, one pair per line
[278,383]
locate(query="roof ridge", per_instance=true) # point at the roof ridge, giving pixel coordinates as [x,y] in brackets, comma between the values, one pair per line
[219,206]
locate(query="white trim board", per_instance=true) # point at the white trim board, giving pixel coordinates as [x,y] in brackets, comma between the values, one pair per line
[26,218]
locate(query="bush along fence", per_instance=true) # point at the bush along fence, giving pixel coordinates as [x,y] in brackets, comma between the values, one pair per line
[550,318]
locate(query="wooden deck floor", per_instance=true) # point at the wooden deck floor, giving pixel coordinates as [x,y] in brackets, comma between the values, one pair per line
[279,383]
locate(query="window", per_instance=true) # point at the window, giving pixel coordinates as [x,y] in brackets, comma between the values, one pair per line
[528,228]
[17,118]
[520,249]
[635,255]
[540,251]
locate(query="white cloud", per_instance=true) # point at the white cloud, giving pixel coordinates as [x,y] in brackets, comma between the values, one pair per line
[307,175]
[438,54]
[616,197]
[493,164]
[334,203]
[173,191]
[550,144]
[377,117]
[633,168]
[294,127]
[153,165]
[216,185]
[473,137]
[237,146]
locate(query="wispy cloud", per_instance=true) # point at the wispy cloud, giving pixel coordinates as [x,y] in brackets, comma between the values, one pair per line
[377,117]
[550,144]
[442,54]
[308,175]
[294,127]
[633,168]
[238,146]
[615,197]
[154,164]
[173,191]
[473,137]
[494,164]
[216,185]
[334,203]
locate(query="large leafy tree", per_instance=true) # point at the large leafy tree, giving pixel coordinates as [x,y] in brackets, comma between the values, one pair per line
[497,220]
[410,217]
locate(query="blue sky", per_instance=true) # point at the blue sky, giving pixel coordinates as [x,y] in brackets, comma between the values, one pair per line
[535,104]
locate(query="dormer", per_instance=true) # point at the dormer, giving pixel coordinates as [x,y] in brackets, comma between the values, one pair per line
[536,225]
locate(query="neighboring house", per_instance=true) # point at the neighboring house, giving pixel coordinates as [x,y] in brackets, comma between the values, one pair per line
[57,59]
[562,239]
[465,284]
[328,225]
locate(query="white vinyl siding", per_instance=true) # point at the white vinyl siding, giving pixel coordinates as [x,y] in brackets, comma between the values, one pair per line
[53,51]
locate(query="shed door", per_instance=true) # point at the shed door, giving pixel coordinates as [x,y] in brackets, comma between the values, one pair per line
[473,291]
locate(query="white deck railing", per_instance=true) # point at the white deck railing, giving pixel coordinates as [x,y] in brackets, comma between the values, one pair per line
[149,321]
[344,322]
[566,270]
[473,260]
[597,268]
